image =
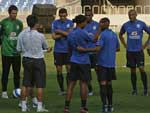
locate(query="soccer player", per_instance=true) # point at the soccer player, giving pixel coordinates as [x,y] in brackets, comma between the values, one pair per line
[10,28]
[134,49]
[107,46]
[92,29]
[80,62]
[60,29]
[32,44]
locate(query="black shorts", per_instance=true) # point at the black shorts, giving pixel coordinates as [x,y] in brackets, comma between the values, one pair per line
[80,72]
[93,60]
[106,74]
[34,72]
[61,58]
[135,59]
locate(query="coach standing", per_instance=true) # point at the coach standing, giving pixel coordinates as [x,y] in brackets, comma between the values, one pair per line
[134,49]
[10,28]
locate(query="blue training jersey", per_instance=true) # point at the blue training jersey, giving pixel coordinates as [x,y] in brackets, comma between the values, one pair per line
[61,45]
[92,29]
[109,43]
[134,34]
[79,37]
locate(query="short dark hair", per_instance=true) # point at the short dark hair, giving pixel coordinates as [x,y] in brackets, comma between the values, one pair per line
[62,10]
[79,19]
[32,20]
[12,7]
[105,19]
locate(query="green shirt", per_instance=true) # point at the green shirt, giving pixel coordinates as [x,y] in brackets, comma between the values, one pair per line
[9,34]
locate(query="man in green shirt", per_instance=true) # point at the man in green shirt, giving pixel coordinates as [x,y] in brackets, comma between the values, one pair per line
[10,28]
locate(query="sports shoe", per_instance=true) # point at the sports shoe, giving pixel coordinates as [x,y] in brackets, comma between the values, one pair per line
[145,93]
[84,110]
[4,95]
[25,109]
[104,108]
[110,108]
[134,92]
[62,93]
[66,110]
[90,93]
[42,110]
[19,105]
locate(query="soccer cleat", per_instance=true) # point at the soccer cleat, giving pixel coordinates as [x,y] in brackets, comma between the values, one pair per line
[145,93]
[62,93]
[90,93]
[104,108]
[134,92]
[4,95]
[66,110]
[84,110]
[110,108]
[42,110]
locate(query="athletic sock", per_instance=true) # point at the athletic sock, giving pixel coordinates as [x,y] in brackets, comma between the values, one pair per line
[133,80]
[60,80]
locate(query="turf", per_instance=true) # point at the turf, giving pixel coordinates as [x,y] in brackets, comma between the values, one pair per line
[124,102]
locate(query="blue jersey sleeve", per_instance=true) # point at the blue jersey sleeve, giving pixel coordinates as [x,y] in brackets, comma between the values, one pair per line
[123,30]
[117,44]
[146,28]
[53,26]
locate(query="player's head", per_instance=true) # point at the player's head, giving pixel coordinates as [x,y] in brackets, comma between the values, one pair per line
[12,10]
[104,23]
[132,15]
[80,21]
[63,14]
[32,21]
[89,15]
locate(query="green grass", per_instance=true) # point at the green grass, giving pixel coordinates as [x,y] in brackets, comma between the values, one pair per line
[124,102]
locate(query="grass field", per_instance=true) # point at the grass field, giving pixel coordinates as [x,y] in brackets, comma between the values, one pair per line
[124,102]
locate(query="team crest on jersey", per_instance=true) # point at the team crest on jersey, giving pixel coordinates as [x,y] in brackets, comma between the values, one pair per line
[68,26]
[134,33]
[18,27]
[94,27]
[138,26]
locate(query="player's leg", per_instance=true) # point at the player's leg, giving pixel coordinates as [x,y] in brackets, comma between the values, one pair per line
[69,94]
[39,75]
[58,60]
[131,63]
[6,63]
[140,63]
[16,65]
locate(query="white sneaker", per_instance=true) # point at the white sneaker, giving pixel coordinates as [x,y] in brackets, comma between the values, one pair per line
[42,110]
[4,95]
[90,94]
[62,93]
[19,105]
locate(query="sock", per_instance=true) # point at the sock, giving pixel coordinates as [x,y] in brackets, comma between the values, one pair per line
[144,80]
[67,103]
[60,80]
[24,104]
[83,103]
[34,100]
[89,86]
[39,105]
[109,94]
[103,94]
[67,78]
[133,80]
